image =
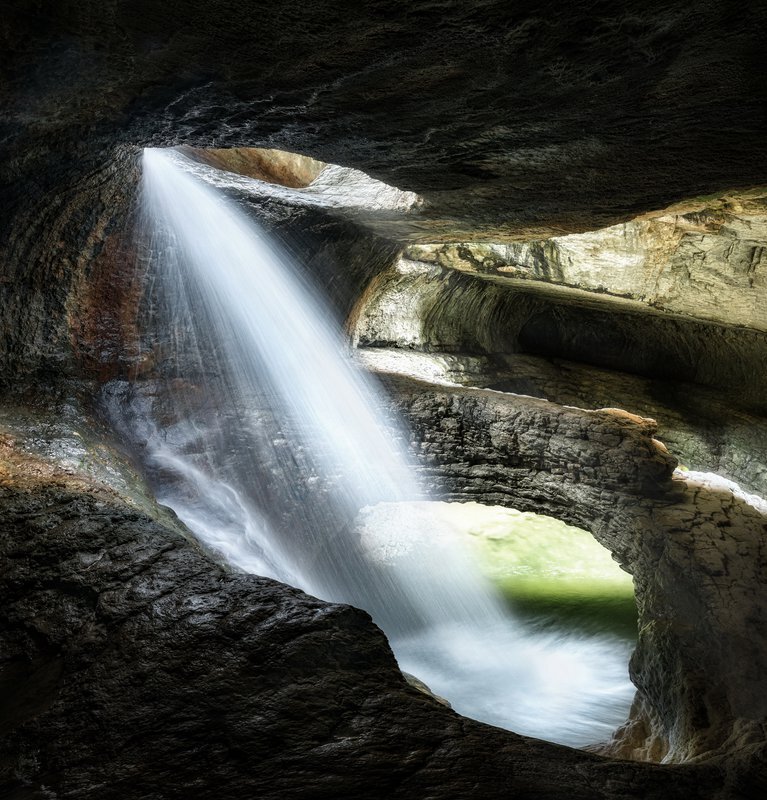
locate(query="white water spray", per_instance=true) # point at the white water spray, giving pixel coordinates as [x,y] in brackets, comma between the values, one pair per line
[272,444]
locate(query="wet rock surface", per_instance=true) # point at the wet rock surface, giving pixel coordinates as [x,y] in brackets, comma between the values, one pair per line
[85,307]
[134,667]
[694,544]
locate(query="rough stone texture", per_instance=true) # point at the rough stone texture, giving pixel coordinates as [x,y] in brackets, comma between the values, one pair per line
[425,306]
[702,427]
[68,272]
[133,667]
[695,545]
[479,444]
[533,118]
[509,123]
[702,622]
[710,263]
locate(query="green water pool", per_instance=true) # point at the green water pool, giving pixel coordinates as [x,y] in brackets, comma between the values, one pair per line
[548,571]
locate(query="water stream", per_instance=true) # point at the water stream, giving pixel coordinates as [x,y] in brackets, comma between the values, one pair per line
[276,451]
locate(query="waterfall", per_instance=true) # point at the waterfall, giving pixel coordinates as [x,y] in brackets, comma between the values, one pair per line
[275,450]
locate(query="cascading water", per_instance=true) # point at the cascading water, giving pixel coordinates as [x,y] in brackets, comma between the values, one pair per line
[269,443]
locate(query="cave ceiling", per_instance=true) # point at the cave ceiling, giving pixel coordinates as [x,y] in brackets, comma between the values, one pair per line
[529,119]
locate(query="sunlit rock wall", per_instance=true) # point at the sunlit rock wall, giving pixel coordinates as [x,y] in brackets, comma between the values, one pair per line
[430,307]
[710,263]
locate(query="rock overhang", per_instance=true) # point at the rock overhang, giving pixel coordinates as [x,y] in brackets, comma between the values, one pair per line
[538,118]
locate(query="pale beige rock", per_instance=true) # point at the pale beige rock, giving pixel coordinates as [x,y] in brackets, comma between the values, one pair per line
[273,166]
[709,263]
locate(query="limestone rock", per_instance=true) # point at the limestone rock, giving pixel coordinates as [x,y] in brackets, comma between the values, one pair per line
[422,305]
[702,427]
[709,264]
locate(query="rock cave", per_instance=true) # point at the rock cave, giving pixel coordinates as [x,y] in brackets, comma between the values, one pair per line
[541,232]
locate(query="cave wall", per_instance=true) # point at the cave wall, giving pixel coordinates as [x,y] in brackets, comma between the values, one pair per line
[701,427]
[67,266]
[706,263]
[510,124]
[507,120]
[425,306]
[660,316]
[81,312]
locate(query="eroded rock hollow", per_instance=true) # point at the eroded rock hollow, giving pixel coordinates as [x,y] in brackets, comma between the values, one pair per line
[563,296]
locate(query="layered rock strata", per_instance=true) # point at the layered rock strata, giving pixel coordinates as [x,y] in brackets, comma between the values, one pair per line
[702,427]
[524,122]
[426,306]
[707,262]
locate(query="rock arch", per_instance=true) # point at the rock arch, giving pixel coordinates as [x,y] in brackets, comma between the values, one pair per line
[693,542]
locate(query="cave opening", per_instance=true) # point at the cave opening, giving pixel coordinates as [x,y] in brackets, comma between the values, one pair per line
[554,574]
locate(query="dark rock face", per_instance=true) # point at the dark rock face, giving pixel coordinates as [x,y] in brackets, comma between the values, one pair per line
[65,268]
[480,443]
[539,118]
[133,667]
